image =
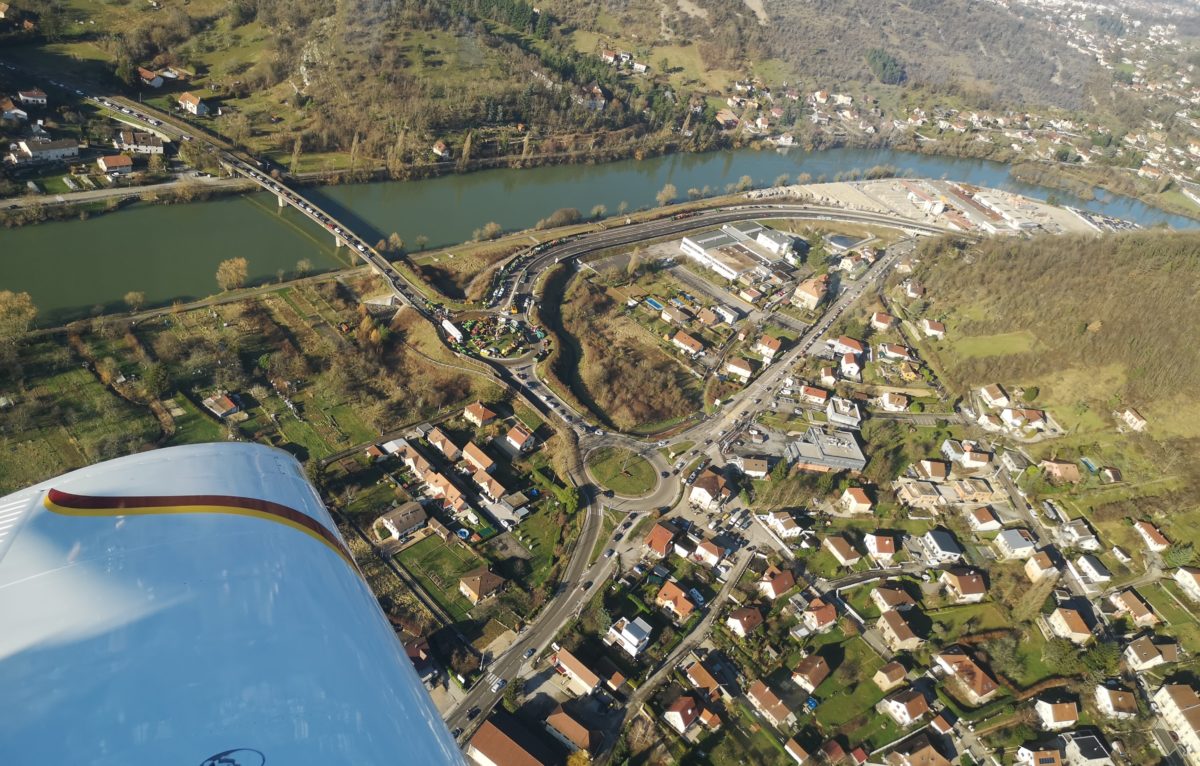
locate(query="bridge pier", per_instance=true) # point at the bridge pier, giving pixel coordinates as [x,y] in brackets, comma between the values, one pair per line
[337,241]
[282,202]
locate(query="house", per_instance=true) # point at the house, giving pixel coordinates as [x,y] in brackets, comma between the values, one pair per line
[932,470]
[882,322]
[1189,581]
[1086,749]
[520,438]
[916,751]
[893,402]
[709,553]
[1091,567]
[478,415]
[193,105]
[632,636]
[221,405]
[890,676]
[994,396]
[1133,419]
[33,97]
[709,490]
[894,352]
[977,683]
[941,547]
[480,584]
[1155,540]
[964,586]
[933,329]
[842,550]
[138,142]
[1128,602]
[982,520]
[855,500]
[768,347]
[1179,708]
[687,343]
[1077,533]
[1056,716]
[812,395]
[810,672]
[881,548]
[399,521]
[1116,703]
[842,412]
[439,441]
[661,539]
[776,582]
[1061,472]
[923,495]
[10,111]
[740,367]
[682,713]
[888,597]
[769,706]
[810,293]
[943,722]
[897,632]
[475,457]
[827,377]
[820,615]
[421,656]
[704,682]
[30,151]
[149,77]
[490,486]
[580,678]
[672,598]
[1015,544]
[1069,624]
[798,754]
[906,707]
[849,367]
[844,344]
[570,732]
[1041,754]
[503,740]
[756,467]
[784,525]
[744,620]
[1143,653]
[675,315]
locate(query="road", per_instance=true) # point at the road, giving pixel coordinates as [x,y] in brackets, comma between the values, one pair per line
[124,192]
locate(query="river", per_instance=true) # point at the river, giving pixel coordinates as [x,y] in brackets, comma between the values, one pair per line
[170,252]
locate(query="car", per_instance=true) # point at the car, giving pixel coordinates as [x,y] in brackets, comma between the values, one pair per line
[608,554]
[626,525]
[457,732]
[472,713]
[500,684]
[665,474]
[529,652]
[619,535]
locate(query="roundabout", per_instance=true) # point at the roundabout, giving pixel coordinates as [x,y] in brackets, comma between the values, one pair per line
[622,471]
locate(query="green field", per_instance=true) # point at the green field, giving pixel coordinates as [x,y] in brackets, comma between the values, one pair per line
[622,471]
[438,565]
[1002,344]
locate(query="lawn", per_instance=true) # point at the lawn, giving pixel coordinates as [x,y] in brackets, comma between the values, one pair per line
[622,471]
[969,618]
[1033,667]
[541,533]
[1002,344]
[847,701]
[609,523]
[438,565]
[1181,624]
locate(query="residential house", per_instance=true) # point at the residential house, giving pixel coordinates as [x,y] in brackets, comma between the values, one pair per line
[755,467]
[810,293]
[882,322]
[941,547]
[1144,653]
[502,740]
[820,616]
[1016,543]
[897,632]
[10,111]
[810,672]
[1068,623]
[192,104]
[933,329]
[916,751]
[421,656]
[675,315]
[480,584]
[1092,569]
[490,486]
[894,352]
[632,636]
[932,470]
[672,598]
[922,495]
[784,525]
[776,582]
[149,77]
[982,520]
[709,490]
[441,442]
[661,539]
[221,405]
[964,586]
[520,438]
[33,97]
[768,347]
[893,402]
[842,412]
[844,344]
[708,317]
[475,457]
[682,713]
[855,500]
[842,550]
[570,732]
[798,753]
[813,395]
[849,367]
[440,149]
[687,343]
[1189,581]
[1061,472]
[1056,716]
[1155,540]
[1133,419]
[769,706]
[906,707]
[740,367]
[744,620]
[1116,703]
[890,676]
[1077,533]
[1179,707]
[581,680]
[138,142]
[888,597]
[478,414]
[880,548]
[827,377]
[994,396]
[1086,749]
[1040,754]
[1128,602]
[30,151]
[709,553]
[399,521]
[977,683]
[704,682]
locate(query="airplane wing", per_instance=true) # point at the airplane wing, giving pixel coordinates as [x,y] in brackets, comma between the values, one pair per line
[196,606]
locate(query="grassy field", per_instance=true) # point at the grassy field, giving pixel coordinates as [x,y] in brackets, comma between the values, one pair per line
[993,345]
[1180,622]
[847,699]
[438,565]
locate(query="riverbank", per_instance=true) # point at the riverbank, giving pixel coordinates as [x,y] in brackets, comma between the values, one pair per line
[84,205]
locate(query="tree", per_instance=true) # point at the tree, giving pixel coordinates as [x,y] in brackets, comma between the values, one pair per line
[157,163]
[303,266]
[134,299]
[745,183]
[396,244]
[886,68]
[17,313]
[1061,655]
[491,230]
[297,148]
[156,379]
[1179,555]
[232,273]
[599,211]
[782,180]
[579,758]
[422,241]
[667,195]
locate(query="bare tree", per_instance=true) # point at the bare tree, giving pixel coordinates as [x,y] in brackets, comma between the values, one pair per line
[134,299]
[232,273]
